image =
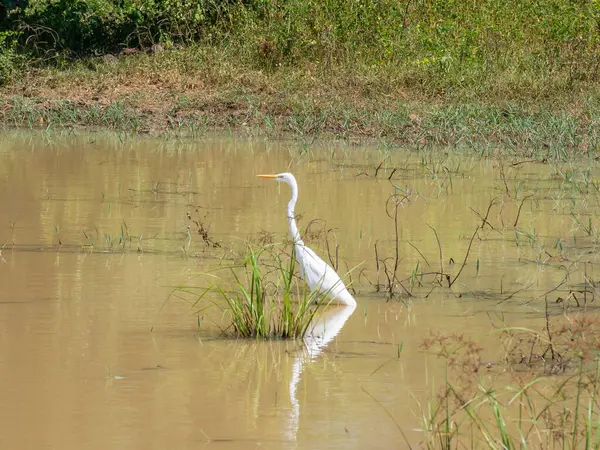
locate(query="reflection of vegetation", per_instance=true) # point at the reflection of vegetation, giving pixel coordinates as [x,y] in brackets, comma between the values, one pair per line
[266,300]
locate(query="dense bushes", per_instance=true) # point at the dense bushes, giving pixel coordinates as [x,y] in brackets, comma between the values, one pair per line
[441,33]
[10,58]
[425,36]
[83,27]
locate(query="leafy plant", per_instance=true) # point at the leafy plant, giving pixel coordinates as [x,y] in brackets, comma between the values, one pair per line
[10,59]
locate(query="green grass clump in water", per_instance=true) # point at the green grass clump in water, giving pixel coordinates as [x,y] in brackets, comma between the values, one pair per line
[267,300]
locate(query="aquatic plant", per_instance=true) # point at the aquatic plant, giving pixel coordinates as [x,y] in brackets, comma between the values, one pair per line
[536,413]
[263,298]
[551,400]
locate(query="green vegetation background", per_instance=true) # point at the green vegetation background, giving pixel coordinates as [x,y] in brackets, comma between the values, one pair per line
[443,43]
[352,60]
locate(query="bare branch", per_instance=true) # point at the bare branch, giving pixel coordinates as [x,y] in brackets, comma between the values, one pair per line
[419,251]
[439,247]
[484,220]
[521,206]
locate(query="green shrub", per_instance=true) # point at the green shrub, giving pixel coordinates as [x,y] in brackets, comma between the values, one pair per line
[435,43]
[436,35]
[96,26]
[10,59]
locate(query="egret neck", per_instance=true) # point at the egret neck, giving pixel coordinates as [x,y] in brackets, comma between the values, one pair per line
[291,181]
[294,233]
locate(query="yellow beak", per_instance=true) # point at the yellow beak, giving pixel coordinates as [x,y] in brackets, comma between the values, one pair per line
[266,176]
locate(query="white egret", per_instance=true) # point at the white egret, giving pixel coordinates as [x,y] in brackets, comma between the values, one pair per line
[317,273]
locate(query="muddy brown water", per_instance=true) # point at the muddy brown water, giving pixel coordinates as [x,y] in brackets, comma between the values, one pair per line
[92,357]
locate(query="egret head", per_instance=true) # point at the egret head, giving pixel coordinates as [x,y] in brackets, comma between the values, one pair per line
[286,177]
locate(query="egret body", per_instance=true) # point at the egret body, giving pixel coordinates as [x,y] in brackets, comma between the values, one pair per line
[317,273]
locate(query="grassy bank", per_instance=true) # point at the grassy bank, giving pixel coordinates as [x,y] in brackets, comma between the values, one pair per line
[191,91]
[486,75]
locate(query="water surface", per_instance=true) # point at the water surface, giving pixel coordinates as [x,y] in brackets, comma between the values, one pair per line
[95,228]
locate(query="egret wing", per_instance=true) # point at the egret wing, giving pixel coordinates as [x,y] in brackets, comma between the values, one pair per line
[317,273]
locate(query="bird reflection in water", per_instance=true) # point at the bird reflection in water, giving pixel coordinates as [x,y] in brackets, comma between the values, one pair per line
[326,326]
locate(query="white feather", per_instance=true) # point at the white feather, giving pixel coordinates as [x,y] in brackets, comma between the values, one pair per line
[317,273]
